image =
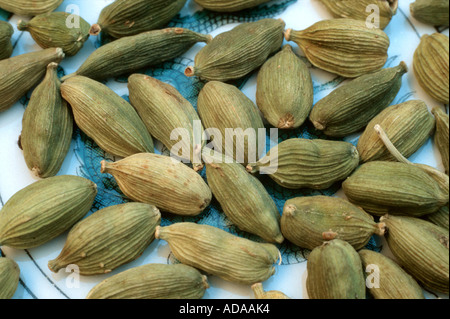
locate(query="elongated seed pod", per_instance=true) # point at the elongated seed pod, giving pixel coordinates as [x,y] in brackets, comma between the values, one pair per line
[229,5]
[440,218]
[259,292]
[433,12]
[9,278]
[44,210]
[108,239]
[441,136]
[29,7]
[20,73]
[6,48]
[159,180]
[153,281]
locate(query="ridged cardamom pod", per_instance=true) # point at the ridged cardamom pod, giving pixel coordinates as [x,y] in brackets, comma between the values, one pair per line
[123,18]
[225,108]
[20,73]
[394,188]
[335,272]
[166,112]
[245,200]
[259,292]
[345,47]
[433,12]
[106,117]
[6,48]
[153,281]
[302,163]
[161,181]
[44,210]
[58,30]
[47,127]
[29,7]
[421,248]
[285,92]
[108,239]
[431,65]
[350,107]
[408,125]
[9,277]
[135,52]
[309,221]
[391,282]
[220,253]
[229,5]
[440,218]
[441,136]
[234,54]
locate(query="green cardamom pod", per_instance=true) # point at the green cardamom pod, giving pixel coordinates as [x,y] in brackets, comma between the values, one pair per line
[345,47]
[6,48]
[421,248]
[44,210]
[220,253]
[234,54]
[302,163]
[335,272]
[350,107]
[285,92]
[259,292]
[392,281]
[106,117]
[153,281]
[441,136]
[9,278]
[229,5]
[433,12]
[21,73]
[161,181]
[308,221]
[108,239]
[29,7]
[440,218]
[58,29]
[123,18]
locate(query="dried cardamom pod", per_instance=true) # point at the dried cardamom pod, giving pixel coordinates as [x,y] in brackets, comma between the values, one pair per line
[345,47]
[47,127]
[433,12]
[350,107]
[161,181]
[123,18]
[106,117]
[408,125]
[229,5]
[302,163]
[234,54]
[285,92]
[132,53]
[108,239]
[44,210]
[58,29]
[6,48]
[440,218]
[153,281]
[421,248]
[441,136]
[431,65]
[9,278]
[391,282]
[29,7]
[20,73]
[308,221]
[259,292]
[220,253]
[335,272]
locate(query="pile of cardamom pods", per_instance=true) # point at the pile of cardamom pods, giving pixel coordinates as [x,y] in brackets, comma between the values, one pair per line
[386,194]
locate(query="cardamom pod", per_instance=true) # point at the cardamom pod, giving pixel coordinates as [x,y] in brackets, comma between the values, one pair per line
[123,18]
[29,7]
[220,253]
[441,136]
[106,117]
[285,92]
[252,210]
[153,281]
[47,127]
[229,5]
[261,294]
[440,218]
[161,181]
[302,163]
[335,272]
[234,54]
[132,53]
[20,73]
[408,125]
[394,188]
[44,210]
[6,48]
[308,221]
[421,248]
[433,12]
[431,65]
[58,29]
[350,107]
[108,239]
[345,47]
[9,277]
[392,281]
